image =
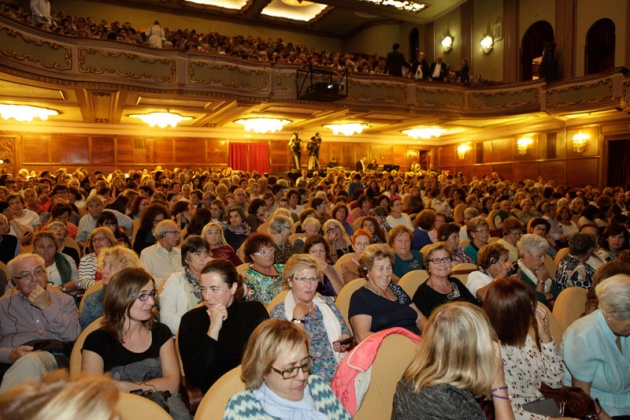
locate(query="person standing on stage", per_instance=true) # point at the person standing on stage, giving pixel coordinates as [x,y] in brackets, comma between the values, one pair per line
[296,153]
[313,151]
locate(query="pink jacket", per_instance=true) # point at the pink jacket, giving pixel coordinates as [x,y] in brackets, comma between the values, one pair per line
[352,379]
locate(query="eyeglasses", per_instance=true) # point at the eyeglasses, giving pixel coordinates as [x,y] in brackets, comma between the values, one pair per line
[145,296]
[176,232]
[304,280]
[264,252]
[332,229]
[482,231]
[441,260]
[38,273]
[100,239]
[293,372]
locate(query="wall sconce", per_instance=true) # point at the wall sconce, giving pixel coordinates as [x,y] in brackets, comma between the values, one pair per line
[523,144]
[580,142]
[487,44]
[462,150]
[447,43]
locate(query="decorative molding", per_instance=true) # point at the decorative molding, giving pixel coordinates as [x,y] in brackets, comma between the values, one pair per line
[377,91]
[228,75]
[16,45]
[449,98]
[505,99]
[580,94]
[126,64]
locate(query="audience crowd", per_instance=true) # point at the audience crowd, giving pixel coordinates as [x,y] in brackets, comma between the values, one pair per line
[210,255]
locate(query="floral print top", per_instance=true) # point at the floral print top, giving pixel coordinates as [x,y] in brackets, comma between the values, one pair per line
[324,363]
[262,287]
[525,368]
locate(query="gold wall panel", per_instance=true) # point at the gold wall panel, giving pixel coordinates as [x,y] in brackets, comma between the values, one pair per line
[228,75]
[69,149]
[126,64]
[19,46]
[35,148]
[103,150]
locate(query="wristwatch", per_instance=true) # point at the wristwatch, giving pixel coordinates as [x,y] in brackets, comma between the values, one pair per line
[63,289]
[297,321]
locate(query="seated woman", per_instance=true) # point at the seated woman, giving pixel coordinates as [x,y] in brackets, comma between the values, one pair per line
[256,213]
[137,351]
[182,290]
[539,226]
[61,270]
[275,369]
[449,233]
[405,258]
[213,234]
[493,265]
[338,239]
[280,230]
[512,309]
[200,218]
[573,269]
[440,220]
[100,239]
[310,226]
[440,287]
[512,232]
[379,236]
[340,213]
[479,233]
[331,282]
[396,216]
[108,220]
[458,359]
[109,262]
[381,304]
[58,229]
[316,315]
[236,230]
[613,242]
[533,249]
[594,349]
[212,337]
[263,280]
[424,223]
[350,269]
[154,214]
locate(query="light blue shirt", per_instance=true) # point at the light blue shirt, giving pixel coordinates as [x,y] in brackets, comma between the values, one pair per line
[591,355]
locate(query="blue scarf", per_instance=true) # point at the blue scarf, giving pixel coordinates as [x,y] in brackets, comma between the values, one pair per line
[276,406]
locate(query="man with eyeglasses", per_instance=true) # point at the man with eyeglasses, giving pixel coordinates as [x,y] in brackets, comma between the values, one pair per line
[95,205]
[163,258]
[33,318]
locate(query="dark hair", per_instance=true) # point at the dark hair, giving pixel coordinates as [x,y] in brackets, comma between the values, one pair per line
[199,219]
[314,240]
[512,223]
[120,204]
[446,230]
[316,202]
[581,243]
[192,244]
[425,219]
[254,242]
[228,273]
[59,209]
[235,209]
[254,205]
[534,221]
[490,253]
[612,230]
[153,210]
[121,293]
[135,206]
[338,207]
[180,207]
[379,233]
[511,308]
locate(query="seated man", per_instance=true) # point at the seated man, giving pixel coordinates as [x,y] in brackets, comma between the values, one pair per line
[29,314]
[163,258]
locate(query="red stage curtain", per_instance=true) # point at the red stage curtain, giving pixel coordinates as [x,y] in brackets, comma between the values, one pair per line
[249,157]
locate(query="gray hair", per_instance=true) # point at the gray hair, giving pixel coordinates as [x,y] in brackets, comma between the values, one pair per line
[311,221]
[531,243]
[471,212]
[12,265]
[614,296]
[279,222]
[162,227]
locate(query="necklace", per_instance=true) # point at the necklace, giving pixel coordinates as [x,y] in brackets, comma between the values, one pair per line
[377,290]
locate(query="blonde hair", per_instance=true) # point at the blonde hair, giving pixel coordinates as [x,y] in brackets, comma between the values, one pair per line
[121,256]
[61,397]
[299,262]
[270,339]
[207,227]
[457,349]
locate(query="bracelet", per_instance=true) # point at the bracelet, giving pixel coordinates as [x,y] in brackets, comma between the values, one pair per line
[508,398]
[499,388]
[297,321]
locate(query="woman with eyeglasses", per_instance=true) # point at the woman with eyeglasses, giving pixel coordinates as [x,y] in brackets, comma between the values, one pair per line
[479,233]
[276,371]
[440,287]
[316,315]
[263,279]
[61,271]
[212,337]
[182,290]
[99,239]
[338,239]
[280,228]
[136,350]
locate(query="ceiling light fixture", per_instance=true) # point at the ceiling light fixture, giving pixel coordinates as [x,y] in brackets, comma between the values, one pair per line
[161,119]
[25,113]
[462,150]
[487,44]
[406,5]
[424,132]
[447,43]
[580,142]
[523,144]
[262,125]
[347,129]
